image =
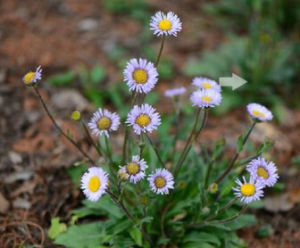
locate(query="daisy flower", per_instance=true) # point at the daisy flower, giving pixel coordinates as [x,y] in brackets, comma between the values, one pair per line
[263,171]
[134,170]
[165,24]
[32,77]
[140,75]
[103,122]
[259,112]
[94,183]
[175,92]
[206,98]
[248,191]
[161,181]
[205,84]
[143,118]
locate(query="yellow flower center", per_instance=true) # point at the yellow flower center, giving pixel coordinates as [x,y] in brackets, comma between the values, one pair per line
[160,182]
[143,120]
[257,113]
[165,25]
[206,85]
[206,98]
[28,78]
[262,172]
[140,76]
[104,123]
[94,184]
[133,168]
[248,189]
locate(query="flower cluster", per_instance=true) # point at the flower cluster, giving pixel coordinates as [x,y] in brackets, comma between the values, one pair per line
[262,174]
[208,93]
[141,76]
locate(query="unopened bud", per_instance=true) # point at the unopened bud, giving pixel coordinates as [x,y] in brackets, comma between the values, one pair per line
[213,188]
[76,115]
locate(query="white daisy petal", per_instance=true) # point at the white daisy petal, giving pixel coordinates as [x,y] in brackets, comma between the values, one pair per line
[248,191]
[143,118]
[205,84]
[94,183]
[263,171]
[161,181]
[103,122]
[165,24]
[134,170]
[32,77]
[206,98]
[140,75]
[259,112]
[175,92]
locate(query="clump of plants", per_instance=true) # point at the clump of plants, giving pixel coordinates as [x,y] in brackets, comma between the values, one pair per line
[154,192]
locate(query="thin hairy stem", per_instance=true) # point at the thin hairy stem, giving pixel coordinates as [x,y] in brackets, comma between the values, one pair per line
[108,149]
[190,140]
[160,50]
[129,215]
[58,127]
[97,148]
[126,136]
[209,168]
[156,151]
[235,157]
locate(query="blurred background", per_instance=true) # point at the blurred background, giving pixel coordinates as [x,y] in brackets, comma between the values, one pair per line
[83,46]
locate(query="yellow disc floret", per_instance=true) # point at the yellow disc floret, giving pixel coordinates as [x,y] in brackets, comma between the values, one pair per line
[140,76]
[132,168]
[165,25]
[262,172]
[160,182]
[248,189]
[206,98]
[94,184]
[104,123]
[143,120]
[206,85]
[257,113]
[29,77]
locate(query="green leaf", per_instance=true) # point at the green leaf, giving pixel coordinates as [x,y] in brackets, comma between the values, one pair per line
[106,206]
[97,74]
[198,245]
[265,231]
[239,145]
[202,237]
[242,221]
[62,78]
[136,235]
[84,236]
[56,228]
[76,171]
[264,147]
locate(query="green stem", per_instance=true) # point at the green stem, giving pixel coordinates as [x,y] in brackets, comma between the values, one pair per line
[189,142]
[108,149]
[59,129]
[160,51]
[235,157]
[243,209]
[210,165]
[155,150]
[129,215]
[125,143]
[98,148]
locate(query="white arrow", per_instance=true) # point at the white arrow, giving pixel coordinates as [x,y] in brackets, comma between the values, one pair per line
[234,81]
